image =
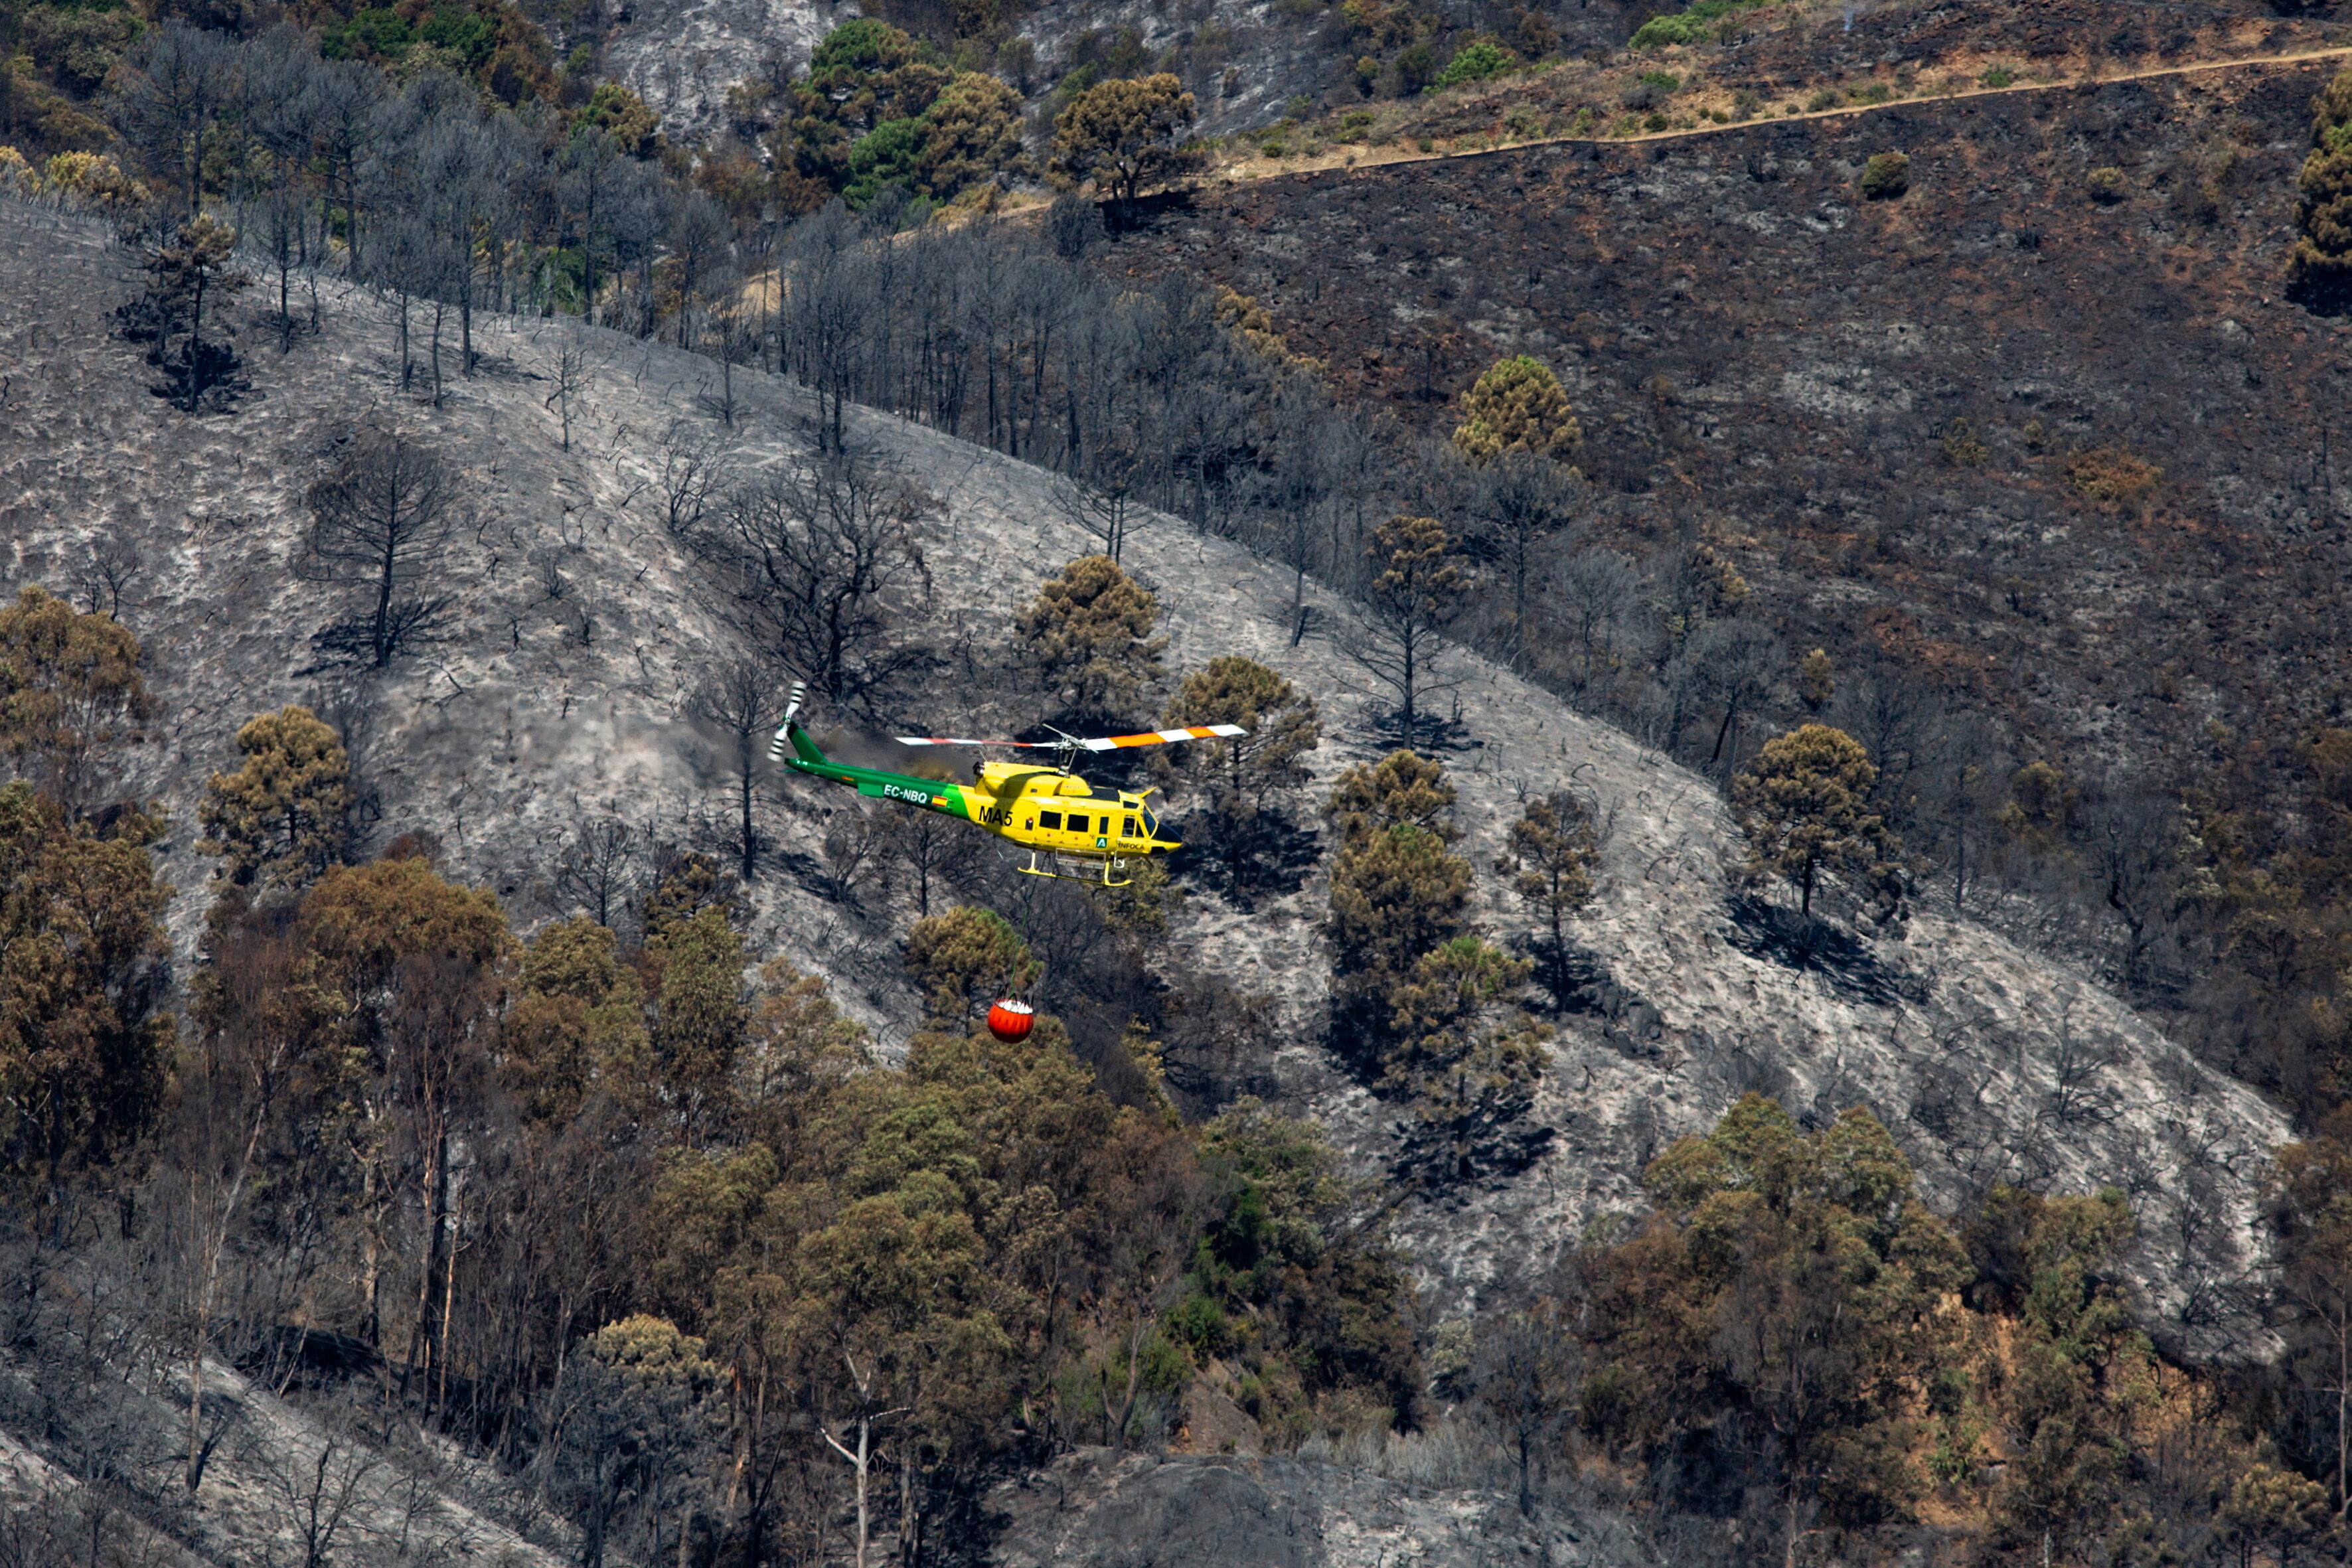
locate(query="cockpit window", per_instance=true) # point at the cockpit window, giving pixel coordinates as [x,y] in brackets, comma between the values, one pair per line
[1150,824]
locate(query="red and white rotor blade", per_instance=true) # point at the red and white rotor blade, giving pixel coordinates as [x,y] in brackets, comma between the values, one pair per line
[1162,737]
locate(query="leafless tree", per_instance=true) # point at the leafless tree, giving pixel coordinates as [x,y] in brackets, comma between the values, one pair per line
[853,851]
[564,368]
[316,1487]
[1104,506]
[601,867]
[697,236]
[739,700]
[1597,597]
[694,469]
[382,523]
[1523,500]
[929,847]
[593,180]
[734,335]
[2079,1061]
[179,78]
[1962,772]
[813,559]
[2129,833]
[1729,665]
[1888,711]
[107,571]
[825,267]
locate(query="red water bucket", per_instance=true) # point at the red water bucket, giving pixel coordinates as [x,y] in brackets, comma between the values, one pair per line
[1011,1021]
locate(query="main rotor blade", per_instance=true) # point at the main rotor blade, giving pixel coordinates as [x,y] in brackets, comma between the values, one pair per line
[1092,743]
[1159,737]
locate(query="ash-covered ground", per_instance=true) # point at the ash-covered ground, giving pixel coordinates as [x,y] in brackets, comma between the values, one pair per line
[558,695]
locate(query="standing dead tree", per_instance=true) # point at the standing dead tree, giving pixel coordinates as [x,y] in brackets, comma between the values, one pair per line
[813,561]
[564,368]
[382,523]
[1105,504]
[739,701]
[694,469]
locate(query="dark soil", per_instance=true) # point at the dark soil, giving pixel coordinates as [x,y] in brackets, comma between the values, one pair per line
[1755,350]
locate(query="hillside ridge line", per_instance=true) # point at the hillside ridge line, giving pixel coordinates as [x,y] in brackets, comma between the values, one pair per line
[1845,112]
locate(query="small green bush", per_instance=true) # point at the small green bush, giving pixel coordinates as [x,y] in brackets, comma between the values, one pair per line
[1476,62]
[1885,176]
[1655,123]
[1876,92]
[1826,99]
[1997,76]
[1416,68]
[1692,26]
[1664,81]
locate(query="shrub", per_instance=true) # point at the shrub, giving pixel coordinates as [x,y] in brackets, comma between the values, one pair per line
[1655,123]
[2108,186]
[1997,76]
[93,177]
[2319,268]
[1517,405]
[17,177]
[1416,68]
[1961,447]
[1477,61]
[1885,176]
[1876,92]
[2113,476]
[1664,81]
[1693,26]
[1827,98]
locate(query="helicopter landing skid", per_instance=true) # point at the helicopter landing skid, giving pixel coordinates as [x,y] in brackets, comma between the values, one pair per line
[1103,870]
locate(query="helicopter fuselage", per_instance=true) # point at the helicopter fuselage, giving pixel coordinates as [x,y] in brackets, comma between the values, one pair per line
[1040,808]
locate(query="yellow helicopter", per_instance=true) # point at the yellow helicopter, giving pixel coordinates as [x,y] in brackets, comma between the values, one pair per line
[1072,829]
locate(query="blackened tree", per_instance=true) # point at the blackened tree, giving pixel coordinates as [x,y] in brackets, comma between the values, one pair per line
[381,522]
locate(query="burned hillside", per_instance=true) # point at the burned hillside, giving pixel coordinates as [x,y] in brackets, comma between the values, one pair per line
[1893,414]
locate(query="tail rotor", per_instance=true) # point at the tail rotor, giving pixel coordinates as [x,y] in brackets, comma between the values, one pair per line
[777,747]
